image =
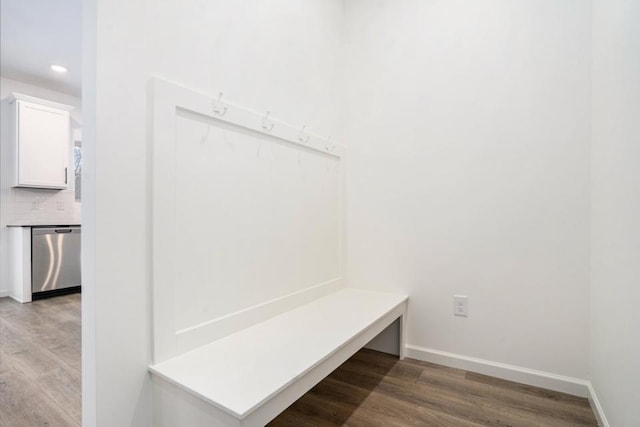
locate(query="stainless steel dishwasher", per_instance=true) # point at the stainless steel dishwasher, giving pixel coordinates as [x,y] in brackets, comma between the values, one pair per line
[55,261]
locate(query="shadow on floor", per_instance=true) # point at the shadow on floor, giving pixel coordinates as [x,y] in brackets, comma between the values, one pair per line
[336,400]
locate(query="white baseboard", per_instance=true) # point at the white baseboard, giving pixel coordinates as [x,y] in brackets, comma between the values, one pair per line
[597,408]
[4,293]
[574,386]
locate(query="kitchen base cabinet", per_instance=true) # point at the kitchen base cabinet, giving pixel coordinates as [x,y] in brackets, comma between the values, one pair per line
[19,239]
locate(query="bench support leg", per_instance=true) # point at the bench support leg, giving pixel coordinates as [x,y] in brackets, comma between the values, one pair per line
[402,351]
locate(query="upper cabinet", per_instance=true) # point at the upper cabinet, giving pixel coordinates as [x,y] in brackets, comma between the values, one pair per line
[42,143]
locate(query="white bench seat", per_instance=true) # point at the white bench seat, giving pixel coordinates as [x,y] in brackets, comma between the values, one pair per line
[254,374]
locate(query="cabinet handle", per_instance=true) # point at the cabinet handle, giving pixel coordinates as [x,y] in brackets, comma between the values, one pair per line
[65,175]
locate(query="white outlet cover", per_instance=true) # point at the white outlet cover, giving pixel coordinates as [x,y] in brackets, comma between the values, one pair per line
[460,305]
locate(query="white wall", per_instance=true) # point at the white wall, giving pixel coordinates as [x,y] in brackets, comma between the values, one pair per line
[30,205]
[277,55]
[615,226]
[469,132]
[468,129]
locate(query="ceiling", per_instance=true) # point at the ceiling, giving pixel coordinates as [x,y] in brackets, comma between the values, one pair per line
[37,33]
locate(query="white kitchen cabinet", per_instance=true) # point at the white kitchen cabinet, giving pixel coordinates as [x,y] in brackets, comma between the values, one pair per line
[19,263]
[42,143]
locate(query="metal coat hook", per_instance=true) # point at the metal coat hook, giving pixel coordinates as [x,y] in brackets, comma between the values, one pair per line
[302,137]
[266,123]
[219,107]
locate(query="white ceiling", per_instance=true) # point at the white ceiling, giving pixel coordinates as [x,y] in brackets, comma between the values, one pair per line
[37,33]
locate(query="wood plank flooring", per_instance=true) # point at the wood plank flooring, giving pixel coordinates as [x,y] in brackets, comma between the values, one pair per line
[40,363]
[40,384]
[374,389]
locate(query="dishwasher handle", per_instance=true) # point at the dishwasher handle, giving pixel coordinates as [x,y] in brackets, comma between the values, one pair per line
[39,231]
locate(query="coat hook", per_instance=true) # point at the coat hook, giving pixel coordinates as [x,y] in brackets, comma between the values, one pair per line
[266,123]
[302,137]
[218,106]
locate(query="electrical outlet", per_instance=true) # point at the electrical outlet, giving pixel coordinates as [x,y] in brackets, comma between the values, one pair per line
[60,205]
[460,305]
[35,206]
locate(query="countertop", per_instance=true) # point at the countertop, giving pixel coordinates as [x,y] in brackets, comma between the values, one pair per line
[43,225]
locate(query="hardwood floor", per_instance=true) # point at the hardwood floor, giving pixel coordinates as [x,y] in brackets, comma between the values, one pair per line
[40,368]
[40,384]
[374,389]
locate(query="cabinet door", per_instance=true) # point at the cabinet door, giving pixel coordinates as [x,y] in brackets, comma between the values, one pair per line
[43,146]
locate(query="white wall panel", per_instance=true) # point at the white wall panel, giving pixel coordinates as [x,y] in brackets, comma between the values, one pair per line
[257,218]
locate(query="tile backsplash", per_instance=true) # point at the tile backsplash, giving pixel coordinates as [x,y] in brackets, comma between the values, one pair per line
[36,206]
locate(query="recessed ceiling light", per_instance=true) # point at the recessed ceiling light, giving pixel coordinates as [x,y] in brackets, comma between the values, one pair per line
[58,68]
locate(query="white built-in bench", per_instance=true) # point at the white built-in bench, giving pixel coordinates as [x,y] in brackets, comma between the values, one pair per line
[251,308]
[249,377]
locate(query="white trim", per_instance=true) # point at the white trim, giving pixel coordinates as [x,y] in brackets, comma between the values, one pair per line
[173,96]
[550,381]
[194,336]
[15,96]
[596,407]
[4,293]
